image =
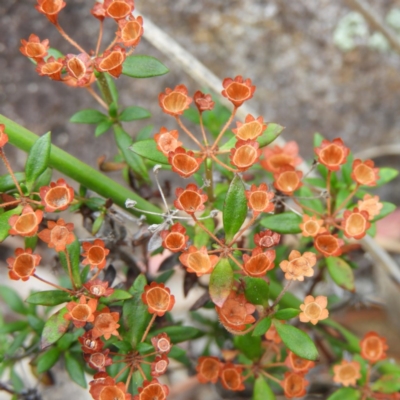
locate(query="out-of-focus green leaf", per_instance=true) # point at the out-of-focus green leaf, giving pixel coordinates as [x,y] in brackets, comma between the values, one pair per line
[54,328]
[386,175]
[287,313]
[148,149]
[221,282]
[249,345]
[134,113]
[88,116]
[74,252]
[75,369]
[341,273]
[262,391]
[387,209]
[141,66]
[262,327]
[287,222]
[47,359]
[256,291]
[48,298]
[345,394]
[13,300]
[179,334]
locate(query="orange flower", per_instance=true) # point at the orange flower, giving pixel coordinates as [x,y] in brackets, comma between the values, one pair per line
[56,197]
[277,157]
[3,136]
[34,48]
[99,288]
[332,154]
[51,68]
[371,205]
[82,312]
[208,369]
[99,360]
[373,347]
[251,129]
[298,265]
[152,390]
[90,345]
[103,387]
[198,261]
[203,101]
[298,364]
[111,61]
[364,173]
[272,334]
[184,162]
[98,11]
[105,324]
[355,223]
[311,226]
[59,234]
[167,140]
[231,377]
[118,9]
[314,309]
[294,385]
[158,298]
[27,223]
[236,312]
[245,154]
[174,101]
[259,199]
[259,263]
[288,180]
[50,8]
[328,245]
[237,90]
[175,239]
[79,68]
[267,238]
[95,254]
[159,365]
[190,199]
[162,343]
[23,265]
[130,31]
[347,373]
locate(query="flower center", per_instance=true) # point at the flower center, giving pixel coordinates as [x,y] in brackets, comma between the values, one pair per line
[249,131]
[158,299]
[231,378]
[51,6]
[347,372]
[313,310]
[118,9]
[175,102]
[112,61]
[185,163]
[199,262]
[131,31]
[77,68]
[81,312]
[238,91]
[26,223]
[24,265]
[332,155]
[259,200]
[288,181]
[96,255]
[245,156]
[112,393]
[190,200]
[35,50]
[355,224]
[57,197]
[364,174]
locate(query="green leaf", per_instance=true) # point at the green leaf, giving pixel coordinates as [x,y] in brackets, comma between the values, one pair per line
[386,175]
[113,110]
[141,66]
[88,116]
[249,345]
[145,133]
[347,169]
[221,282]
[287,222]
[75,370]
[262,327]
[148,149]
[235,208]
[103,127]
[111,85]
[310,200]
[162,278]
[144,348]
[7,183]
[201,238]
[13,300]
[345,394]
[179,334]
[4,226]
[54,328]
[118,294]
[48,298]
[47,359]
[387,384]
[36,323]
[135,162]
[133,113]
[179,355]
[11,327]
[18,341]
[296,341]
[287,313]
[387,209]
[17,383]
[318,138]
[43,180]
[341,273]
[74,252]
[38,159]
[256,291]
[262,391]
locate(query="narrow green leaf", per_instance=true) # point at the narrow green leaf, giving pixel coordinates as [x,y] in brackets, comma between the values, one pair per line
[11,327]
[47,359]
[118,295]
[179,334]
[75,370]
[318,138]
[287,222]
[141,66]
[221,282]
[111,85]
[144,348]
[74,252]
[387,209]
[18,341]
[249,345]
[341,273]
[386,175]
[180,355]
[387,384]
[38,159]
[262,391]
[262,327]
[148,149]
[88,116]
[103,127]
[287,313]
[54,328]
[134,113]
[235,208]
[345,394]
[145,133]
[296,341]
[36,323]
[13,300]
[17,383]
[309,199]
[256,291]
[48,298]
[113,110]
[347,169]
[43,180]
[201,238]
[7,183]
[4,226]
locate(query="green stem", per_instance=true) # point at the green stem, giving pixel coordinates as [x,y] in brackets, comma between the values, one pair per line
[79,171]
[105,89]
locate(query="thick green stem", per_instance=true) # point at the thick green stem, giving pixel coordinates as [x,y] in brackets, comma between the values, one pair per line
[105,89]
[79,171]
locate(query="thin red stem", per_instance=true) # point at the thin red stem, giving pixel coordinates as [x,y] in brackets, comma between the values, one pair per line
[224,165]
[97,97]
[346,200]
[206,230]
[8,166]
[69,268]
[243,229]
[10,203]
[183,127]
[269,376]
[67,38]
[99,38]
[148,328]
[53,284]
[328,188]
[141,372]
[226,126]
[203,132]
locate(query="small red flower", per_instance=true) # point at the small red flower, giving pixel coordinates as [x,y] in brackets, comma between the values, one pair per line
[267,238]
[105,324]
[99,288]
[158,298]
[111,61]
[103,387]
[51,68]
[203,101]
[245,154]
[184,162]
[299,265]
[251,129]
[198,261]
[23,265]
[355,223]
[153,390]
[371,205]
[174,101]
[298,364]
[159,365]
[175,239]
[167,141]
[328,244]
[95,254]
[130,31]
[208,369]
[191,199]
[27,223]
[50,8]
[99,360]
[259,199]
[231,377]
[260,262]
[314,309]
[364,173]
[347,373]
[90,345]
[58,235]
[277,157]
[34,48]
[79,68]
[56,197]
[237,90]
[162,343]
[3,136]
[82,312]
[311,226]
[373,347]
[294,385]
[332,154]
[288,180]
[118,9]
